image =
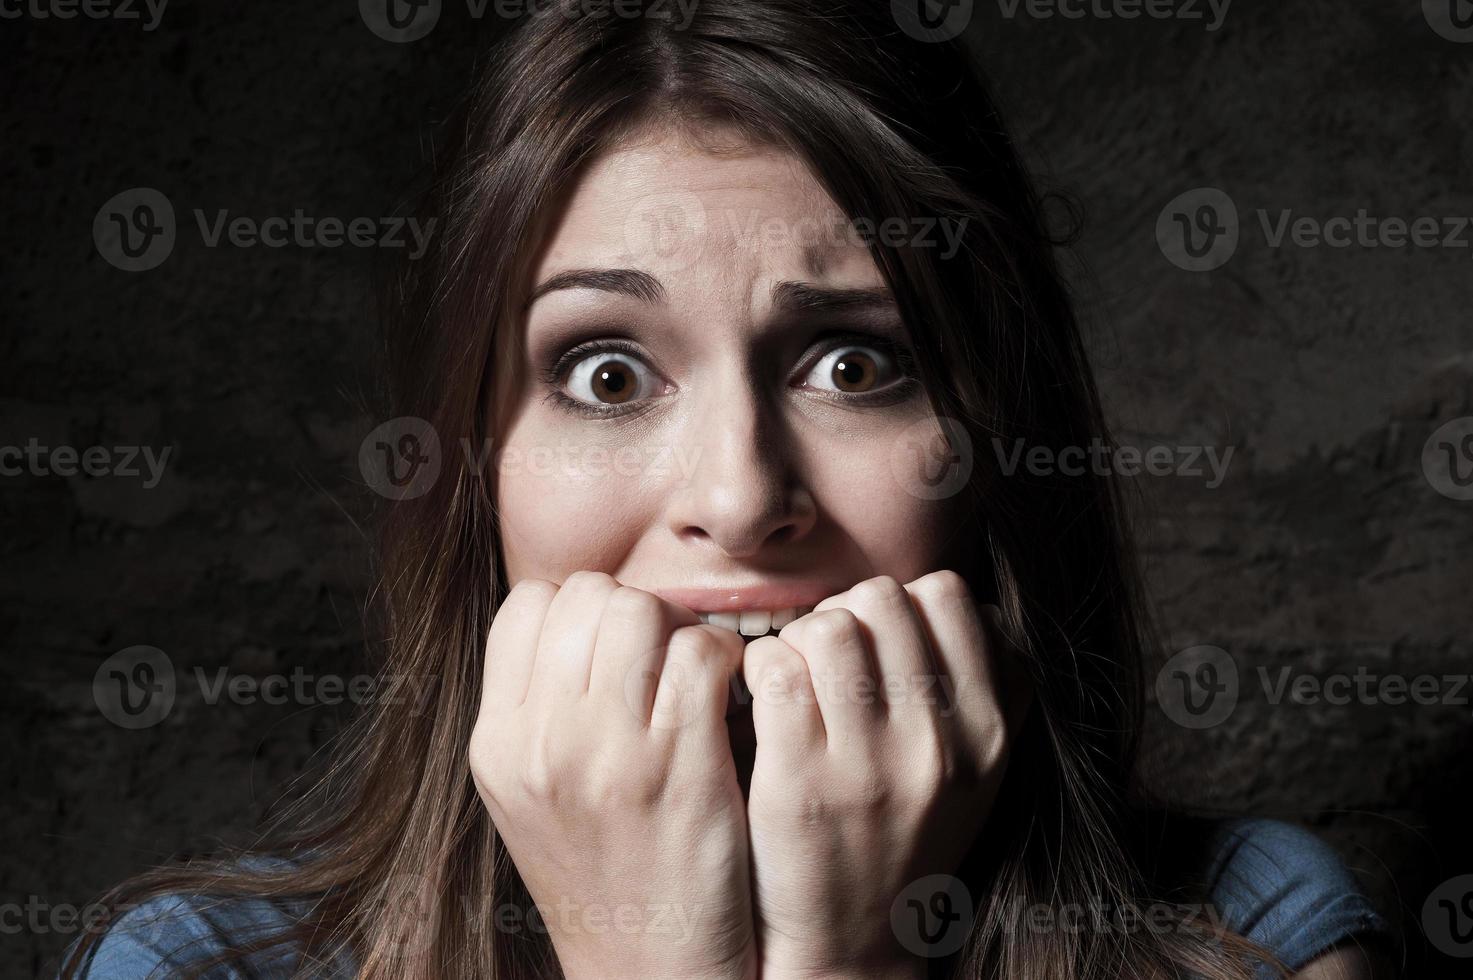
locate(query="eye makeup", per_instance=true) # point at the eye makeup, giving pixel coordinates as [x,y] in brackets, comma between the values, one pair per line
[894,357]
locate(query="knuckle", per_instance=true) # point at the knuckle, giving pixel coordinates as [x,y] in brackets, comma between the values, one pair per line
[878,590]
[944,586]
[530,593]
[831,627]
[534,587]
[587,579]
[996,746]
[689,642]
[537,780]
[783,670]
[630,605]
[480,756]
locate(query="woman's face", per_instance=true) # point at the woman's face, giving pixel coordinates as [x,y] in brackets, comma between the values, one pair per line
[712,402]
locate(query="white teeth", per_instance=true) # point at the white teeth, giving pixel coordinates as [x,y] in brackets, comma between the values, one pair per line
[754,622]
[782,617]
[726,620]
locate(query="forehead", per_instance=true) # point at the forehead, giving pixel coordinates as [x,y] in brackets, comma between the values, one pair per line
[664,203]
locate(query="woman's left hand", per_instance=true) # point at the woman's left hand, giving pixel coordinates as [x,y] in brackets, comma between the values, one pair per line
[882,735]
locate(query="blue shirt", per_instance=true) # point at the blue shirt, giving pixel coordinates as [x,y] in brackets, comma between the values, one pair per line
[1275,883]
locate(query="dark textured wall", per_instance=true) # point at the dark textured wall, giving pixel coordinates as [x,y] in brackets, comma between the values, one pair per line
[1331,545]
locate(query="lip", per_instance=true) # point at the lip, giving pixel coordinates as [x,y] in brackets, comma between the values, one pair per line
[765,596]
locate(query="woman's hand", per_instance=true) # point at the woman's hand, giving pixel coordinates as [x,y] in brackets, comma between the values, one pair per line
[882,736]
[601,752]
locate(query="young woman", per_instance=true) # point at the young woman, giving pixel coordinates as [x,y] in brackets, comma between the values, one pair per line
[730,301]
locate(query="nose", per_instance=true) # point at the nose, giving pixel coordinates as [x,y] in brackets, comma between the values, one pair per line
[745,492]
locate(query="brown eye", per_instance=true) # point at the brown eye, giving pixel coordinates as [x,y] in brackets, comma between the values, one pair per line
[614,382]
[601,379]
[854,370]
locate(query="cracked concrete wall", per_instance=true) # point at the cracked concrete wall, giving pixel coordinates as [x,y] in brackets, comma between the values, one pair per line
[1326,549]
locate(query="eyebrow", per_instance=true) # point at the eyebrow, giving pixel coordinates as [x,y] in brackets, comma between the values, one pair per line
[787,296]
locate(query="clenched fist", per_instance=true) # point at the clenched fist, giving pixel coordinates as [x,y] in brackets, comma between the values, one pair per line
[601,753]
[883,732]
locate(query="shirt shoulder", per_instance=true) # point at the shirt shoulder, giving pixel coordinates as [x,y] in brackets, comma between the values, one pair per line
[1284,888]
[167,933]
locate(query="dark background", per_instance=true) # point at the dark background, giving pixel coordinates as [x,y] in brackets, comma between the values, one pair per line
[1326,549]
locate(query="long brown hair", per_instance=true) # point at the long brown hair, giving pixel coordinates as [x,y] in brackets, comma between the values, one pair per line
[397,861]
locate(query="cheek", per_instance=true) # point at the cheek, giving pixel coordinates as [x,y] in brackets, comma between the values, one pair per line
[564,506]
[865,488]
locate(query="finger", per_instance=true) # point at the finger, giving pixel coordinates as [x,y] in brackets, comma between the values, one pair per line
[565,648]
[511,643]
[904,667]
[833,644]
[690,701]
[965,654]
[629,652]
[785,712]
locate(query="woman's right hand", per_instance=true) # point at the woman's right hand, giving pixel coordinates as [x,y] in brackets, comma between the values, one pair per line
[601,752]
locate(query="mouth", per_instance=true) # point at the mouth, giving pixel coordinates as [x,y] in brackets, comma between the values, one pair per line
[752,623]
[749,624]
